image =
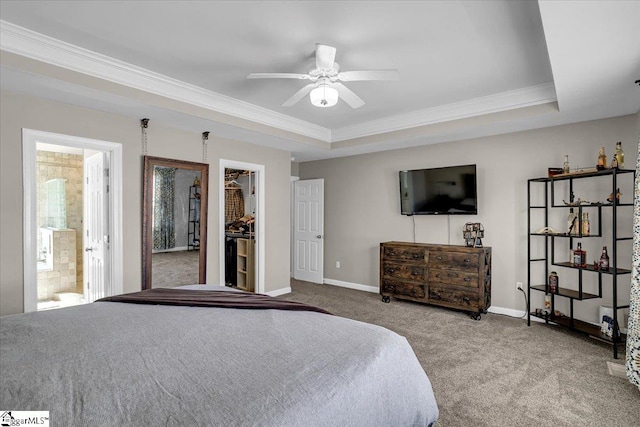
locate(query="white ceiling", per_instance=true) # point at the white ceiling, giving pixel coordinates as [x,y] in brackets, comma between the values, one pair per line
[490,66]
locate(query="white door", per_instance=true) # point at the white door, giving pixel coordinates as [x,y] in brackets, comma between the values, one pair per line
[308,234]
[95,237]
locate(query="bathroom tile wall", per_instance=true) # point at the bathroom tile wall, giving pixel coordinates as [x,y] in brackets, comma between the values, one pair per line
[52,165]
[62,277]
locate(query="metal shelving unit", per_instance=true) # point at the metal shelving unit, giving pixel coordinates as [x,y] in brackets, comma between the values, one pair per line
[549,259]
[193,231]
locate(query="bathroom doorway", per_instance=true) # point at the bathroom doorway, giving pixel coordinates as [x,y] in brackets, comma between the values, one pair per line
[71,241]
[241,225]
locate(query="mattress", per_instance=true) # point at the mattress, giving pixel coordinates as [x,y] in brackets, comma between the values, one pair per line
[111,363]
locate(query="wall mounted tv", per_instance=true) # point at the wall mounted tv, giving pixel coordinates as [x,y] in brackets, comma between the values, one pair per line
[439,191]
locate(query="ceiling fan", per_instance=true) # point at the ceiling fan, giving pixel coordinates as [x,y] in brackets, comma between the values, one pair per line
[326,87]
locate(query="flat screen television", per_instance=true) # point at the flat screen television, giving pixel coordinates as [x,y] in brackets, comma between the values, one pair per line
[449,190]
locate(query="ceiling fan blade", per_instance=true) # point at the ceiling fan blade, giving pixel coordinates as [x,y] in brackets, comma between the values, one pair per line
[352,76]
[325,56]
[348,96]
[278,76]
[298,95]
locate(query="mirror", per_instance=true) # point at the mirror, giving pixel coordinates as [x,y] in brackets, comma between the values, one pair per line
[174,222]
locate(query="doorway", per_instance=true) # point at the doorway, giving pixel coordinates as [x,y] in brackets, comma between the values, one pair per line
[72,220]
[242,210]
[308,230]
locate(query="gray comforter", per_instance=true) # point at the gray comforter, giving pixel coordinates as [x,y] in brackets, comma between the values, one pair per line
[111,364]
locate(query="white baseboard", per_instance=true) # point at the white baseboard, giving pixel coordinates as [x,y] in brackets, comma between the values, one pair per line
[356,286]
[513,313]
[506,311]
[373,289]
[279,292]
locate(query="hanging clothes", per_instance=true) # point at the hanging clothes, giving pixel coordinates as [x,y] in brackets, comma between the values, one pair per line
[234,203]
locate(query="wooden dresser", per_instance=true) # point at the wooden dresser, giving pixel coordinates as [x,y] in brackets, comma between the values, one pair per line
[445,275]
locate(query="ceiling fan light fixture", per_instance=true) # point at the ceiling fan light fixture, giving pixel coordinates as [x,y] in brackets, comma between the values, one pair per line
[324,96]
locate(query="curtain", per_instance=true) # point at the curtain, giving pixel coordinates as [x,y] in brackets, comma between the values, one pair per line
[633,333]
[233,204]
[164,233]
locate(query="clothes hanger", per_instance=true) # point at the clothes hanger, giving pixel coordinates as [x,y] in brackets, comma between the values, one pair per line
[232,184]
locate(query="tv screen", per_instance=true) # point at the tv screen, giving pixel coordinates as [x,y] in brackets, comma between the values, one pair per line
[439,191]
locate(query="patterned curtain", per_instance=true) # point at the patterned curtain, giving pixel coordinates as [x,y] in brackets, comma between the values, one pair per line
[164,234]
[633,333]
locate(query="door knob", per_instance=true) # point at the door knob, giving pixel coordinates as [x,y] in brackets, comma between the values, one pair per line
[88,249]
[319,236]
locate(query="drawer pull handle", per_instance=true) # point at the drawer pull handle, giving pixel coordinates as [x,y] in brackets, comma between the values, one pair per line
[466,279]
[392,253]
[465,299]
[415,273]
[416,256]
[391,270]
[439,258]
[467,260]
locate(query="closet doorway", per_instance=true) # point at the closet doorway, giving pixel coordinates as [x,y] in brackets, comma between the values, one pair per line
[242,225]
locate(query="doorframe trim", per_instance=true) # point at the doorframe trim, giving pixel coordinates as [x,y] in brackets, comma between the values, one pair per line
[292,209]
[259,227]
[296,254]
[30,139]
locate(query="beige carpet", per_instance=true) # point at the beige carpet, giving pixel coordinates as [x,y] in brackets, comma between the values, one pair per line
[170,269]
[496,371]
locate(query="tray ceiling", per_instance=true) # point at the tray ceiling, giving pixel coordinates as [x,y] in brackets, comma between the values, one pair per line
[457,60]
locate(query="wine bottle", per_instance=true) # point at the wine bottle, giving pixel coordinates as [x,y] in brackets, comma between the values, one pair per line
[604,260]
[571,256]
[619,155]
[586,225]
[580,256]
[565,167]
[602,160]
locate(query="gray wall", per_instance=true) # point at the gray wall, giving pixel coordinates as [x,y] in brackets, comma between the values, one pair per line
[295,168]
[362,202]
[19,111]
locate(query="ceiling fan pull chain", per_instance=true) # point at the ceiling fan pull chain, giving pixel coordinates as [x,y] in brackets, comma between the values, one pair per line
[205,138]
[144,124]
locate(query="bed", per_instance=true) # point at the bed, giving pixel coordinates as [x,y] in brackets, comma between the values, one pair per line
[116,363]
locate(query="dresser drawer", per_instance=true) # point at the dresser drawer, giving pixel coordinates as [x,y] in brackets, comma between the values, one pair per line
[415,290]
[453,277]
[404,271]
[403,253]
[457,298]
[453,260]
[445,275]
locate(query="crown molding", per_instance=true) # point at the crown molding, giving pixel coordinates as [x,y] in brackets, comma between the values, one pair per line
[28,43]
[519,98]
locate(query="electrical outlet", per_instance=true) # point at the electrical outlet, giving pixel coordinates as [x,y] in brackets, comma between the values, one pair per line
[337,264]
[519,286]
